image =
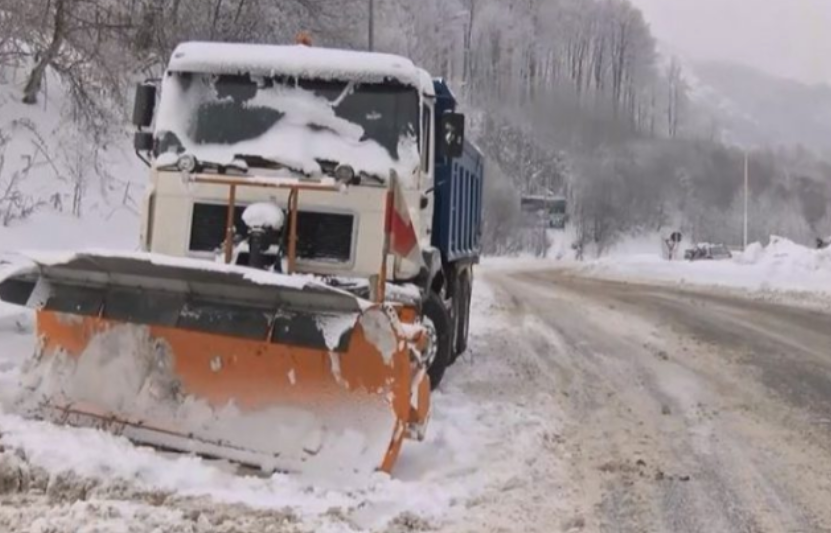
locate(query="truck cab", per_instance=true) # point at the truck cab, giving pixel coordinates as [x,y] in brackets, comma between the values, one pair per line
[357,121]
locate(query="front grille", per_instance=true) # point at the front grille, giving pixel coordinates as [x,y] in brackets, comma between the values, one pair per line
[320,236]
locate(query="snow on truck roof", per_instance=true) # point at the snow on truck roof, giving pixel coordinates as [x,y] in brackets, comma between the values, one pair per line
[298,60]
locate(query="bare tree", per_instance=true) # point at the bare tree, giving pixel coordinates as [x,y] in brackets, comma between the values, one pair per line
[47,56]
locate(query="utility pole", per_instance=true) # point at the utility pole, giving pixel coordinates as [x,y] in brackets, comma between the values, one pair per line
[746,194]
[371,25]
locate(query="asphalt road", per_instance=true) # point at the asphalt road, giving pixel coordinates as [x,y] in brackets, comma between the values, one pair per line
[684,411]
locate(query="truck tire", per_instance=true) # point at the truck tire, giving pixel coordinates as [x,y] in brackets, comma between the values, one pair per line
[440,344]
[463,320]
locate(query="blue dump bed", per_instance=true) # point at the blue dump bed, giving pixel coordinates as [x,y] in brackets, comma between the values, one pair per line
[457,216]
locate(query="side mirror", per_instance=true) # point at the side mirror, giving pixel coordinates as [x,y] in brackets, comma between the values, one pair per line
[451,135]
[143,141]
[145,105]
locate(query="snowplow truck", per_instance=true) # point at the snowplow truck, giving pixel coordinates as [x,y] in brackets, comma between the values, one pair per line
[304,277]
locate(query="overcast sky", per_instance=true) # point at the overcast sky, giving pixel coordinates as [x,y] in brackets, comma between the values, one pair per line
[790,38]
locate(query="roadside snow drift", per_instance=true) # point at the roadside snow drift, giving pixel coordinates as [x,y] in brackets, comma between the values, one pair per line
[781,266]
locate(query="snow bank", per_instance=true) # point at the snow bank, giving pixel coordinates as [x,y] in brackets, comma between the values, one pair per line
[560,244]
[643,244]
[780,266]
[53,165]
[49,230]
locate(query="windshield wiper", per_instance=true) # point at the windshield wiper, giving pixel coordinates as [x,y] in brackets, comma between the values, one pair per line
[258,161]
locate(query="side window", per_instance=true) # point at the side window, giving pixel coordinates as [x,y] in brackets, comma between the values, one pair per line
[426,136]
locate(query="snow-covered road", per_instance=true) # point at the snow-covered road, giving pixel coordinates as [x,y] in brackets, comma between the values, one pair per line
[685,410]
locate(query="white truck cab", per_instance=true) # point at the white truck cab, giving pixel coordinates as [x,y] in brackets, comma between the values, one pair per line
[345,143]
[291,112]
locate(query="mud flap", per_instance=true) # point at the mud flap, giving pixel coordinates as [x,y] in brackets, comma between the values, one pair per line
[278,372]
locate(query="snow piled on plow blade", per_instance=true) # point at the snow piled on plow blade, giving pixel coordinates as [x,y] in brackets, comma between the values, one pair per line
[45,260]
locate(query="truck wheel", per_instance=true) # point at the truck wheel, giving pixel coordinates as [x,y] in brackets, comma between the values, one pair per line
[464,318]
[439,337]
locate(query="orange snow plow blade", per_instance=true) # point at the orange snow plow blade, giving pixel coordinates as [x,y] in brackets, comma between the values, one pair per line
[289,378]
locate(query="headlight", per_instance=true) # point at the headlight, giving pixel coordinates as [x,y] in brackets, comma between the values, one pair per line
[344,174]
[186,163]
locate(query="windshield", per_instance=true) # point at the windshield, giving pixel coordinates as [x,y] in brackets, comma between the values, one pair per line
[299,122]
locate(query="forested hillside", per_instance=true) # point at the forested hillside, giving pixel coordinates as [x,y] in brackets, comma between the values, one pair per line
[757,108]
[566,96]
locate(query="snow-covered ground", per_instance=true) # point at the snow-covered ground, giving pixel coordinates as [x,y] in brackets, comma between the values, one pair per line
[49,163]
[781,270]
[781,266]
